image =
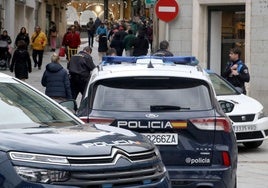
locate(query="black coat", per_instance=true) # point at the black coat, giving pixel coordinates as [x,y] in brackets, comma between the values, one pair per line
[21,63]
[141,46]
[56,81]
[24,37]
[103,46]
[118,45]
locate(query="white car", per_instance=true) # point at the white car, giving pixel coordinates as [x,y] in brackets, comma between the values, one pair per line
[246,113]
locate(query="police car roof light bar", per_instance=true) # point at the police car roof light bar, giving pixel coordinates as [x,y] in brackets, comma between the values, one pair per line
[186,60]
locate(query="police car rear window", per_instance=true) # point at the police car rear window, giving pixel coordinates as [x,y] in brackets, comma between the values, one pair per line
[141,93]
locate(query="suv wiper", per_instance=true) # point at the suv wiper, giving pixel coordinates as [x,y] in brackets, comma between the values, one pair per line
[157,108]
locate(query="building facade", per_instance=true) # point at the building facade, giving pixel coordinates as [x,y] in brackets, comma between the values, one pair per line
[15,14]
[207,29]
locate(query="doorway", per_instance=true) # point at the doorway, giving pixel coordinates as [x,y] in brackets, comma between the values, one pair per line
[226,30]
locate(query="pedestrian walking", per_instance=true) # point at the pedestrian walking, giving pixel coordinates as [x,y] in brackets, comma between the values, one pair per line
[91,32]
[56,80]
[38,43]
[23,35]
[128,43]
[53,36]
[101,30]
[72,41]
[64,42]
[103,46]
[236,71]
[140,45]
[80,67]
[117,43]
[5,37]
[21,61]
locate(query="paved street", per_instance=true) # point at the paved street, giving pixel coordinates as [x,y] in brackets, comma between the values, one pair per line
[252,166]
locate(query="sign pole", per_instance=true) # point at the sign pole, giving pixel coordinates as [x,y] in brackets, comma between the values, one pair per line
[167,31]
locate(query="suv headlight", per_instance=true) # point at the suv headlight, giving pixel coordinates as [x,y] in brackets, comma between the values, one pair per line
[38,158]
[41,175]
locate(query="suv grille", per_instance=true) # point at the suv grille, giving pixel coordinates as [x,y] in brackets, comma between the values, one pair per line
[138,176]
[112,159]
[120,169]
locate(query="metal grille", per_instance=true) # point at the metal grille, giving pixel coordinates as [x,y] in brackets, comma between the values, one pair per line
[243,118]
[249,135]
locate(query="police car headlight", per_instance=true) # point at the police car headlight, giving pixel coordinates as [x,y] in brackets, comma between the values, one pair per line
[261,114]
[38,158]
[41,175]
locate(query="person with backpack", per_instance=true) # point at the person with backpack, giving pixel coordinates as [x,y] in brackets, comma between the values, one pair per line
[236,72]
[80,67]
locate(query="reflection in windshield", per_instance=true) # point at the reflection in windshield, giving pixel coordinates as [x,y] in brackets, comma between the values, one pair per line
[140,95]
[21,106]
[221,86]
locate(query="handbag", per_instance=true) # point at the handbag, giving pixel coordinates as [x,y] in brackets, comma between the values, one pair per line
[62,52]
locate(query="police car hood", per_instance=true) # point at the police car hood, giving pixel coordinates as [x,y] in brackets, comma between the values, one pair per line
[84,140]
[243,104]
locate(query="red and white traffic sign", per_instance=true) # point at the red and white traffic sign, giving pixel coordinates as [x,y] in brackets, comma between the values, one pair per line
[166,10]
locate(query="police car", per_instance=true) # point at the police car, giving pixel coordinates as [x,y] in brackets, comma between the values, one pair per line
[171,101]
[247,114]
[44,145]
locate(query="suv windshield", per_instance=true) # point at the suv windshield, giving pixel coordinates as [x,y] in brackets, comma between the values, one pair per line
[151,94]
[21,107]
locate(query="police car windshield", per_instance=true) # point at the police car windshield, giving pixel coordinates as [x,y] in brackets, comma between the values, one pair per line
[132,94]
[222,86]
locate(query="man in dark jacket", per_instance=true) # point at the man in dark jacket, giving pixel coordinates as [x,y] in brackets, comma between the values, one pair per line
[80,67]
[163,51]
[236,72]
[140,45]
[56,80]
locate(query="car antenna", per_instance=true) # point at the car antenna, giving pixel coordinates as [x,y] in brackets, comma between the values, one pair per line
[150,65]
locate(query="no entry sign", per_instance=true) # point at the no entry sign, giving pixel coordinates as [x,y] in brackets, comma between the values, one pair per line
[166,10]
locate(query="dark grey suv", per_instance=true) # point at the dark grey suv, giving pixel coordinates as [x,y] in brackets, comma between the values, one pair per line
[43,145]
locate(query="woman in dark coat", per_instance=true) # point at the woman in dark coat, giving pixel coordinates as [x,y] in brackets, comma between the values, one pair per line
[103,45]
[56,80]
[140,44]
[23,35]
[21,62]
[117,43]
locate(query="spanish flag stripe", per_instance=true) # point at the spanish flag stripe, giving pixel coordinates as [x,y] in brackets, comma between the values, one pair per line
[179,124]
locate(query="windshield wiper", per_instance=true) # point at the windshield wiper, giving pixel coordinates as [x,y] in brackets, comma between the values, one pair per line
[158,108]
[38,126]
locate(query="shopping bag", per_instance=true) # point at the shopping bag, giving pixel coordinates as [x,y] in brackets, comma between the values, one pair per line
[62,52]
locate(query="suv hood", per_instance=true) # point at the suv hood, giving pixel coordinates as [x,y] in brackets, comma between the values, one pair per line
[84,140]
